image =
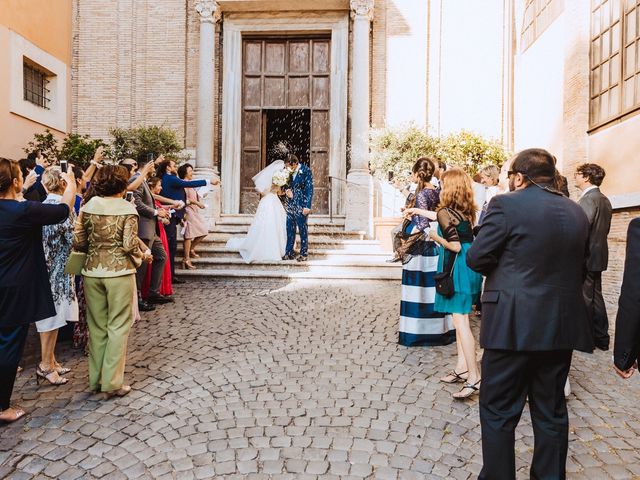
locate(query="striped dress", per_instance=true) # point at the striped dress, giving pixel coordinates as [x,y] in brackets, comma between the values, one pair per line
[420,324]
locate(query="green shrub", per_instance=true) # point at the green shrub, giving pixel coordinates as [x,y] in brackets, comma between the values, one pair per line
[396,150]
[46,143]
[79,149]
[139,141]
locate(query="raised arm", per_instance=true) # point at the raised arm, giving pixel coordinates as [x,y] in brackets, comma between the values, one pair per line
[174,181]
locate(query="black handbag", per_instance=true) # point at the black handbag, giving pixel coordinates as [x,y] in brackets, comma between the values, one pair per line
[444,280]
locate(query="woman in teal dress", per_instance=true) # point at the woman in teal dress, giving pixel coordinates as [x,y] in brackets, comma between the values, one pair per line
[455,217]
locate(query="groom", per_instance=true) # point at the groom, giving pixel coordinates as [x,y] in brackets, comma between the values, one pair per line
[299,194]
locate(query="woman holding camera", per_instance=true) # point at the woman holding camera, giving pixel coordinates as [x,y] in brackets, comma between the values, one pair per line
[107,230]
[25,292]
[57,240]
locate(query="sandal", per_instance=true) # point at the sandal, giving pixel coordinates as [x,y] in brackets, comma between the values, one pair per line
[454,377]
[18,413]
[472,389]
[62,370]
[46,374]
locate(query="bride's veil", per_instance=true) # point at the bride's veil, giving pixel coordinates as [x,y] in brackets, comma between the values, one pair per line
[264,179]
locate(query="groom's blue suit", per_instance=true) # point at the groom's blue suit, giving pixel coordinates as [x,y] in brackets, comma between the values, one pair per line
[302,187]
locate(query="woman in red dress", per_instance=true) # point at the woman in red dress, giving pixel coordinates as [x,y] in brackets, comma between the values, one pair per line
[165,287]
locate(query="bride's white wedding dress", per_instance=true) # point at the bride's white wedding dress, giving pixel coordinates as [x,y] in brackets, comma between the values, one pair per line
[266,239]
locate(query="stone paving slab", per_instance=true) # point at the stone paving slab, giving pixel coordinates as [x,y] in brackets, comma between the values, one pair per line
[269,380]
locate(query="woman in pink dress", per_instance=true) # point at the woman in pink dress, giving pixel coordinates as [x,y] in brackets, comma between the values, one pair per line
[195,227]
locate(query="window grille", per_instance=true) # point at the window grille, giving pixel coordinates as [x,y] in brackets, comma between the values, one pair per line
[614,60]
[538,15]
[35,83]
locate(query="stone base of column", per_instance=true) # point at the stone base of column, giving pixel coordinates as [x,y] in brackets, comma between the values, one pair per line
[213,199]
[359,204]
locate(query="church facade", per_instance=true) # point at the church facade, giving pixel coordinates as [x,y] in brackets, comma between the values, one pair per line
[237,78]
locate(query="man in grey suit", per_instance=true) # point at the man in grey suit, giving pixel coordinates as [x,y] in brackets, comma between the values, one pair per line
[148,233]
[588,178]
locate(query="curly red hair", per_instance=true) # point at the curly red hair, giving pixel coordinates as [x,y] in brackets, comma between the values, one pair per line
[457,193]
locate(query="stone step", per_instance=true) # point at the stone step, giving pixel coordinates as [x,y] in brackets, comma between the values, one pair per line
[246,219]
[341,257]
[313,230]
[372,253]
[322,264]
[279,273]
[314,238]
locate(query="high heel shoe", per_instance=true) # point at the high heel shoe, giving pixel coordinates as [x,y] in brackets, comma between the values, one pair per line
[46,375]
[187,265]
[471,389]
[61,370]
[194,254]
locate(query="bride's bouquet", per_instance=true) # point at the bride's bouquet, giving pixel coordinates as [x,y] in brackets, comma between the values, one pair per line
[281,177]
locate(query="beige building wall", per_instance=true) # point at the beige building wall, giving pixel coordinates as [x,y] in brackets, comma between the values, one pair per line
[465,69]
[552,111]
[42,27]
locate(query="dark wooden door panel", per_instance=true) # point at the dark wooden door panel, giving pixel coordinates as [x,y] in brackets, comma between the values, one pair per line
[285,80]
[298,92]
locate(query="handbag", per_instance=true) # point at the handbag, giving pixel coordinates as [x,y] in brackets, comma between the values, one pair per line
[444,280]
[75,263]
[403,242]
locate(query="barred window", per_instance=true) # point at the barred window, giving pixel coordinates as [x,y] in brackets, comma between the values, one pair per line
[538,15]
[615,60]
[35,83]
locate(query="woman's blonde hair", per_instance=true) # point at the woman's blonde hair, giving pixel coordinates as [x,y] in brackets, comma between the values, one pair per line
[491,171]
[52,179]
[457,193]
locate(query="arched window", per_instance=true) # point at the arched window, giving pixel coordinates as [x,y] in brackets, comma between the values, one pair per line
[538,15]
[615,60]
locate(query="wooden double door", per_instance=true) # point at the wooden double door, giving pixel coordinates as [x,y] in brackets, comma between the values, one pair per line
[285,101]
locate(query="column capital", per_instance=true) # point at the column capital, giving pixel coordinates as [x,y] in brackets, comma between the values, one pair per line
[361,8]
[209,11]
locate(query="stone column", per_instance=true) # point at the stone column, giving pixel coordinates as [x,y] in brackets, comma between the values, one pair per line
[209,12]
[360,183]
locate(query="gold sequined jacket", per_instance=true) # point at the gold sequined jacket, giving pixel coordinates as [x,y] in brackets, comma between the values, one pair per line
[107,230]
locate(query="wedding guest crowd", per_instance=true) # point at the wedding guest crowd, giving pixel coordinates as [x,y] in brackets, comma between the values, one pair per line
[25,291]
[54,216]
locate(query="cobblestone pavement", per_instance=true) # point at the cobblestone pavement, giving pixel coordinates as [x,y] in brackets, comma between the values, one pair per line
[268,380]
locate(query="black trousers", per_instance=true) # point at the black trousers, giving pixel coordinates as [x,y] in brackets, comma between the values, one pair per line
[172,240]
[592,292]
[157,266]
[508,378]
[12,340]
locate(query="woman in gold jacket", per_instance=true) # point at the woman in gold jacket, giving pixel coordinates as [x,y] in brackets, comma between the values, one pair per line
[107,230]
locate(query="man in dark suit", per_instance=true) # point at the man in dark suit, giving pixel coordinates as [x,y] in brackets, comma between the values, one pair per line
[148,233]
[588,179]
[531,247]
[626,349]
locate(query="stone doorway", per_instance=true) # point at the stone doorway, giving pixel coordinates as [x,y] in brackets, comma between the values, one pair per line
[285,97]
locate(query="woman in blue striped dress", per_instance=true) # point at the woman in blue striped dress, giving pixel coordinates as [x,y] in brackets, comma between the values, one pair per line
[420,324]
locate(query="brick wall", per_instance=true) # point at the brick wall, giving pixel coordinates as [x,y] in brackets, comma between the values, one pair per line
[612,278]
[129,65]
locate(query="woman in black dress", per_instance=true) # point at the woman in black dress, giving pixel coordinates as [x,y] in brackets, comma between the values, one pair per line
[25,293]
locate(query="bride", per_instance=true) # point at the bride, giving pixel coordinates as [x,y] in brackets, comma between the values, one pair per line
[267,237]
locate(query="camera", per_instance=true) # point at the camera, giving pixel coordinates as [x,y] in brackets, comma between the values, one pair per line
[150,157]
[129,196]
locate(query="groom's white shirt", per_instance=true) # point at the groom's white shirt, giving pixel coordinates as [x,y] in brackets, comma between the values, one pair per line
[295,172]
